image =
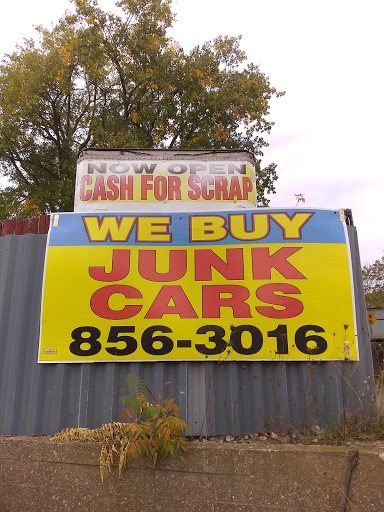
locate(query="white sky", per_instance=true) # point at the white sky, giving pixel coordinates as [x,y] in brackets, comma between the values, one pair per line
[328,57]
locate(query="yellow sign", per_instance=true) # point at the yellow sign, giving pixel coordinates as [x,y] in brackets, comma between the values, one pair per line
[261,285]
[371,319]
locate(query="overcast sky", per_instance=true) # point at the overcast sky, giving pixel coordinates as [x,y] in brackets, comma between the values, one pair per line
[328,57]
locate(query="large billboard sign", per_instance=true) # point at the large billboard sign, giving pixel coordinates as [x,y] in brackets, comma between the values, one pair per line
[108,181]
[267,284]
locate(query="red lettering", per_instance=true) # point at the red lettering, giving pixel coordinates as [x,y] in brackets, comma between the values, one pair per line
[161,305]
[99,189]
[113,193]
[221,184]
[235,189]
[247,187]
[267,293]
[174,191]
[213,301]
[205,259]
[120,267]
[177,266]
[146,184]
[160,189]
[194,193]
[263,262]
[85,195]
[207,194]
[126,188]
[100,302]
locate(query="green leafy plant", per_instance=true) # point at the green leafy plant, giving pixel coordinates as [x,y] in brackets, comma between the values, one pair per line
[373,280]
[153,428]
[358,425]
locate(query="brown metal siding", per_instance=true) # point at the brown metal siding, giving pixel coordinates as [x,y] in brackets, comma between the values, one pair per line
[36,225]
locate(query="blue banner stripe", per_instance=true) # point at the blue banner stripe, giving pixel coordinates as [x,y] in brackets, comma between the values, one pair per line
[322,226]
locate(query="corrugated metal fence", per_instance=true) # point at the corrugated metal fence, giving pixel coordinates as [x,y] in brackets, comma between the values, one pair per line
[229,398]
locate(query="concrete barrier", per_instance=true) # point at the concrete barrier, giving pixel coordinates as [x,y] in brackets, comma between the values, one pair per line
[37,474]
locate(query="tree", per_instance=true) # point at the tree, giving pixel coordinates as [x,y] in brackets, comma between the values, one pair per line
[14,207]
[373,279]
[105,80]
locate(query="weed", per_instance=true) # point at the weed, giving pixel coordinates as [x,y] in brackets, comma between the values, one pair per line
[153,428]
[356,425]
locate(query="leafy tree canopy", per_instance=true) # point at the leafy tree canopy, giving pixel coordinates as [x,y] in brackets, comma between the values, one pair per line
[106,80]
[13,206]
[373,279]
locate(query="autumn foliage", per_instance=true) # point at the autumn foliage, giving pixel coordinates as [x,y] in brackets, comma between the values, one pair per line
[150,428]
[106,80]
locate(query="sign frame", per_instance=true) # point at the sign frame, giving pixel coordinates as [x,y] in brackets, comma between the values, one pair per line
[286,242]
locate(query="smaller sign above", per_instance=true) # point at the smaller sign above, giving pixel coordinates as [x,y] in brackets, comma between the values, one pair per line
[172,180]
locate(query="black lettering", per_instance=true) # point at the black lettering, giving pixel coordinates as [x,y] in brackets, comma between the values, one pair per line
[101,168]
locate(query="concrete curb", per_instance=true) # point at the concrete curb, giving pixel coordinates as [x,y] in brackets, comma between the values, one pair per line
[37,474]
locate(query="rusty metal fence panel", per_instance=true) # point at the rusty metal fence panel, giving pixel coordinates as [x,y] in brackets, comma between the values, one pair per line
[230,398]
[37,225]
